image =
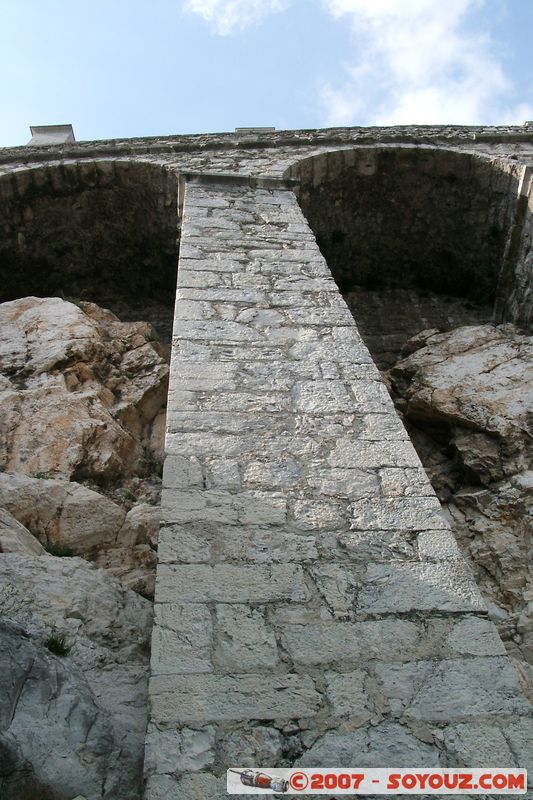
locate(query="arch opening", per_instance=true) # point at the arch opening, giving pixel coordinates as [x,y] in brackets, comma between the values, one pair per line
[414,237]
[102,231]
[85,395]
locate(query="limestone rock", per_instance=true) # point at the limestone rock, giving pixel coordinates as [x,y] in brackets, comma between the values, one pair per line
[15,538]
[476,382]
[66,515]
[79,391]
[467,397]
[55,741]
[80,720]
[60,512]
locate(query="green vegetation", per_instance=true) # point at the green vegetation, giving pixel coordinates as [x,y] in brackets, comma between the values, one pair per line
[59,550]
[56,645]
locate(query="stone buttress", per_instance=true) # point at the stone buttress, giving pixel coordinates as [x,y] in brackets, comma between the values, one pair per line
[311,606]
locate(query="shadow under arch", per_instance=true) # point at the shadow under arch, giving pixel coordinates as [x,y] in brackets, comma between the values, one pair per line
[415,237]
[101,230]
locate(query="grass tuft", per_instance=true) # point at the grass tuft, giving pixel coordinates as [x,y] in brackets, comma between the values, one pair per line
[56,645]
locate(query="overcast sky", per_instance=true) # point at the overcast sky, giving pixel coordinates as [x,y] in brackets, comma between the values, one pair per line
[120,68]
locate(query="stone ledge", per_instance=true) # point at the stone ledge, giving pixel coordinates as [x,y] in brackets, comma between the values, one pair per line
[233,179]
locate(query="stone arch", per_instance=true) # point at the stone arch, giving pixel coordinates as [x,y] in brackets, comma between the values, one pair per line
[99,230]
[406,231]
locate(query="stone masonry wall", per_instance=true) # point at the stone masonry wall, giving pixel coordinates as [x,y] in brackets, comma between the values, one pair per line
[311,604]
[311,607]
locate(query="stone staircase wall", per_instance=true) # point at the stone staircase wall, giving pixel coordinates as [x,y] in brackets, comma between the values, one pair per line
[311,604]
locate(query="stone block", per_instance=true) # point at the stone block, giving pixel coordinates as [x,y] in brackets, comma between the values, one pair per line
[228,583]
[338,585]
[171,750]
[475,636]
[397,513]
[438,546]
[348,697]
[349,483]
[317,515]
[197,699]
[322,397]
[243,640]
[348,642]
[460,689]
[400,588]
[519,734]
[385,745]
[362,454]
[374,545]
[250,746]
[482,745]
[265,544]
[182,472]
[189,543]
[181,639]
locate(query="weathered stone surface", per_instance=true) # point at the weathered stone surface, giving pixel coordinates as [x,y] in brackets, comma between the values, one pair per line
[243,640]
[182,639]
[326,642]
[447,586]
[62,512]
[483,745]
[388,743]
[196,786]
[455,689]
[54,738]
[477,379]
[348,697]
[475,636]
[252,745]
[185,750]
[80,390]
[226,583]
[472,387]
[106,629]
[210,698]
[69,516]
[15,538]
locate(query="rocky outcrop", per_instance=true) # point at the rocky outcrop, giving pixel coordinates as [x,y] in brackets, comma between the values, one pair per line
[82,417]
[81,393]
[15,538]
[74,667]
[467,397]
[83,399]
[71,519]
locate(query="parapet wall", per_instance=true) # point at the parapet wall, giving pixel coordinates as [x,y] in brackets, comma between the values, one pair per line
[312,607]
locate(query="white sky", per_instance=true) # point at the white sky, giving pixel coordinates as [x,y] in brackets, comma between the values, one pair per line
[120,68]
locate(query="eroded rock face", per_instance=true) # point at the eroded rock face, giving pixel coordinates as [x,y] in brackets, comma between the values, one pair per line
[82,413]
[468,398]
[79,391]
[74,724]
[15,538]
[83,398]
[68,517]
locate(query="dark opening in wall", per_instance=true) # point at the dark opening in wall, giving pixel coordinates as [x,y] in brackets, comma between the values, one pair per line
[414,237]
[85,394]
[104,231]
